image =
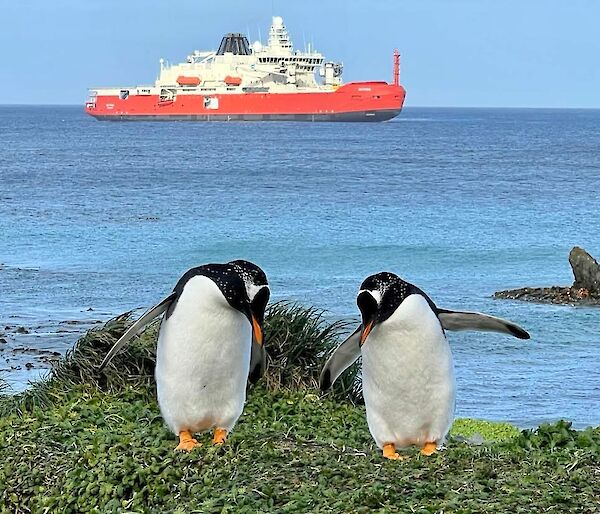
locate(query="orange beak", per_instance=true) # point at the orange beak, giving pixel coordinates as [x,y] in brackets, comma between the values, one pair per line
[366,331]
[257,331]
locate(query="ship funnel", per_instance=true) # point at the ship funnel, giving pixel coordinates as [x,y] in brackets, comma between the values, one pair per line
[234,43]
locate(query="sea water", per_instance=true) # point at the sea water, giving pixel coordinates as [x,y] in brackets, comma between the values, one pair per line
[98,218]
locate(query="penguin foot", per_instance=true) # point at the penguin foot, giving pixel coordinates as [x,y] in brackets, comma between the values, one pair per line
[429,449]
[219,436]
[389,452]
[186,442]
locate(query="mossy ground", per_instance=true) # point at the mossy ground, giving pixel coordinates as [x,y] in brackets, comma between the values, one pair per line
[84,445]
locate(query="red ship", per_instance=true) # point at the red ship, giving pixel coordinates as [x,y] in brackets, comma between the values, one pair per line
[252,83]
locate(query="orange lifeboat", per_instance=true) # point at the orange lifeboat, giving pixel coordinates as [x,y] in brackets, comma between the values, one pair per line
[182,80]
[232,81]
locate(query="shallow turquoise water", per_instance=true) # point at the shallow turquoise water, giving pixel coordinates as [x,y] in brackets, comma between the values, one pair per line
[462,202]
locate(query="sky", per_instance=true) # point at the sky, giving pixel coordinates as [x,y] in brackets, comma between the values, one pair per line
[461,53]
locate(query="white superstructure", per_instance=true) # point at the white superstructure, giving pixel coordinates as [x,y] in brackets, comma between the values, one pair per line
[237,66]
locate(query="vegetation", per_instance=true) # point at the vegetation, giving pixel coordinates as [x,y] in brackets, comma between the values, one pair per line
[83,442]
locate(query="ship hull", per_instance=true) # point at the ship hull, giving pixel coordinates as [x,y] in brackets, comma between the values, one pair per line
[383,115]
[353,102]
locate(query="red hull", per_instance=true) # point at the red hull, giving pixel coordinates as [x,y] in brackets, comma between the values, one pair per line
[356,101]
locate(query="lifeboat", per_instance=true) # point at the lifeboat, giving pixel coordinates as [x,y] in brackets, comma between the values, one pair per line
[232,81]
[182,80]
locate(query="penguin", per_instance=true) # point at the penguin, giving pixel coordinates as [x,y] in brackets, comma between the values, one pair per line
[210,343]
[408,379]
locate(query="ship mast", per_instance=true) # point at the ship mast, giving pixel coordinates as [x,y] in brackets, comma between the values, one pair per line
[396,67]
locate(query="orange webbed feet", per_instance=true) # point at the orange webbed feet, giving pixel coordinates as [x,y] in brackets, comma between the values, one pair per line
[186,442]
[429,449]
[389,452]
[219,436]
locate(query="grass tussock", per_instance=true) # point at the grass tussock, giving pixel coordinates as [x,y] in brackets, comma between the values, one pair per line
[298,340]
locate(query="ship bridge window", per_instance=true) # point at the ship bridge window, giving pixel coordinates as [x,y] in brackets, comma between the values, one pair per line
[234,43]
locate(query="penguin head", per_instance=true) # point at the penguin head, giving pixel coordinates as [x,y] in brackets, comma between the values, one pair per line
[379,297]
[229,282]
[257,291]
[240,284]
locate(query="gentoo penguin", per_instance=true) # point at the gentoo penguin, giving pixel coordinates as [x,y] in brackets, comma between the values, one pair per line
[210,343]
[407,371]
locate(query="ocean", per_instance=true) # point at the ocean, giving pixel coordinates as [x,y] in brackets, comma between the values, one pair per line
[100,218]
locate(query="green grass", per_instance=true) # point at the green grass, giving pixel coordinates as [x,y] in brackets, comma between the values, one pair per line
[83,442]
[484,430]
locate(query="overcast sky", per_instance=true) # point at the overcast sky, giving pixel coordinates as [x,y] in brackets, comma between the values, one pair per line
[521,53]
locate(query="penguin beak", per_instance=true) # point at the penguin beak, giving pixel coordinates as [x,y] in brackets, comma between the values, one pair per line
[257,331]
[369,307]
[366,331]
[256,314]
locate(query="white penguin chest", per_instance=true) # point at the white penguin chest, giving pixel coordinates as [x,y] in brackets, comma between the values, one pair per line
[408,376]
[204,328]
[203,359]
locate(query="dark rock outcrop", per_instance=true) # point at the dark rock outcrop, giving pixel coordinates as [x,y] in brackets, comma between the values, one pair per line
[584,291]
[585,270]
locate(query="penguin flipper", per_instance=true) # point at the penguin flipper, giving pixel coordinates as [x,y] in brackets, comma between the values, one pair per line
[144,319]
[258,362]
[341,359]
[457,320]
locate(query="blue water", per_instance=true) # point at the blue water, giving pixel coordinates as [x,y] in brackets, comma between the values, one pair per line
[462,202]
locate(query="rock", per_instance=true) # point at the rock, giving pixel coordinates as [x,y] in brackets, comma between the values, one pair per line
[3,341]
[584,291]
[558,295]
[476,439]
[79,322]
[22,330]
[585,270]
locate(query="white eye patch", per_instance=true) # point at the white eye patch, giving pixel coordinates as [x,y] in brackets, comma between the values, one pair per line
[253,289]
[376,294]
